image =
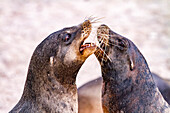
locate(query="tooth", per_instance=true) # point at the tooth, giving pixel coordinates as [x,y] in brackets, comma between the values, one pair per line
[84,43]
[92,44]
[81,49]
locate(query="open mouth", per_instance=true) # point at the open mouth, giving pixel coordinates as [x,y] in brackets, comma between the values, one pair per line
[84,46]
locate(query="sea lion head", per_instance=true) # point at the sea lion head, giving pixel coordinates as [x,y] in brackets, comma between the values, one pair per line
[117,53]
[72,51]
[63,52]
[71,46]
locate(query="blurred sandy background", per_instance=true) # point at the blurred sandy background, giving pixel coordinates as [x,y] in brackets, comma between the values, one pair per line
[25,23]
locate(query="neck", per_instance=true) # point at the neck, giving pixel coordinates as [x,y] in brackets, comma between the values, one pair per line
[129,91]
[44,92]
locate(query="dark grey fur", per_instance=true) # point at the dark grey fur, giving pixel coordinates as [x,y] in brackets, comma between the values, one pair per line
[128,85]
[50,85]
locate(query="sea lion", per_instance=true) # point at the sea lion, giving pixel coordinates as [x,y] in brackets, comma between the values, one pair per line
[50,85]
[89,94]
[128,85]
[163,87]
[89,97]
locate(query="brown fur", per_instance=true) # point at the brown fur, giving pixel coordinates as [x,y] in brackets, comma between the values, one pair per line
[50,85]
[89,97]
[128,85]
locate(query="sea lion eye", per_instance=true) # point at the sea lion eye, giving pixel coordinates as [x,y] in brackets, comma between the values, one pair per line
[122,43]
[66,37]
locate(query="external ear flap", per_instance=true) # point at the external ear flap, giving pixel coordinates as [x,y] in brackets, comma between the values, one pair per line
[132,66]
[131,60]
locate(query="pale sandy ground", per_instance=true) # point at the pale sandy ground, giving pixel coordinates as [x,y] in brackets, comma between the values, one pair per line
[25,23]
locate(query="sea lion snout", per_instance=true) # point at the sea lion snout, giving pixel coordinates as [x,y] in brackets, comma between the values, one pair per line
[86,49]
[112,47]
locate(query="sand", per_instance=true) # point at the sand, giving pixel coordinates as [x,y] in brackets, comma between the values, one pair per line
[25,23]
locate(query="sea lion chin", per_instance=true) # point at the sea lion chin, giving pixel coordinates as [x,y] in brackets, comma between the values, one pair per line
[128,85]
[50,84]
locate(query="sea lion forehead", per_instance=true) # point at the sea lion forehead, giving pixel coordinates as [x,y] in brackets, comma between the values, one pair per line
[111,38]
[86,28]
[103,29]
[69,29]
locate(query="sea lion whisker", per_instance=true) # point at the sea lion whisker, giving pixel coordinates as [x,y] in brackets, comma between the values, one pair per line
[92,17]
[95,19]
[103,35]
[95,22]
[86,18]
[105,54]
[103,50]
[115,45]
[98,19]
[98,45]
[97,53]
[103,42]
[108,43]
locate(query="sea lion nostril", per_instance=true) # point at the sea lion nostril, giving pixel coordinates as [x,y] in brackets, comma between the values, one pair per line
[99,37]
